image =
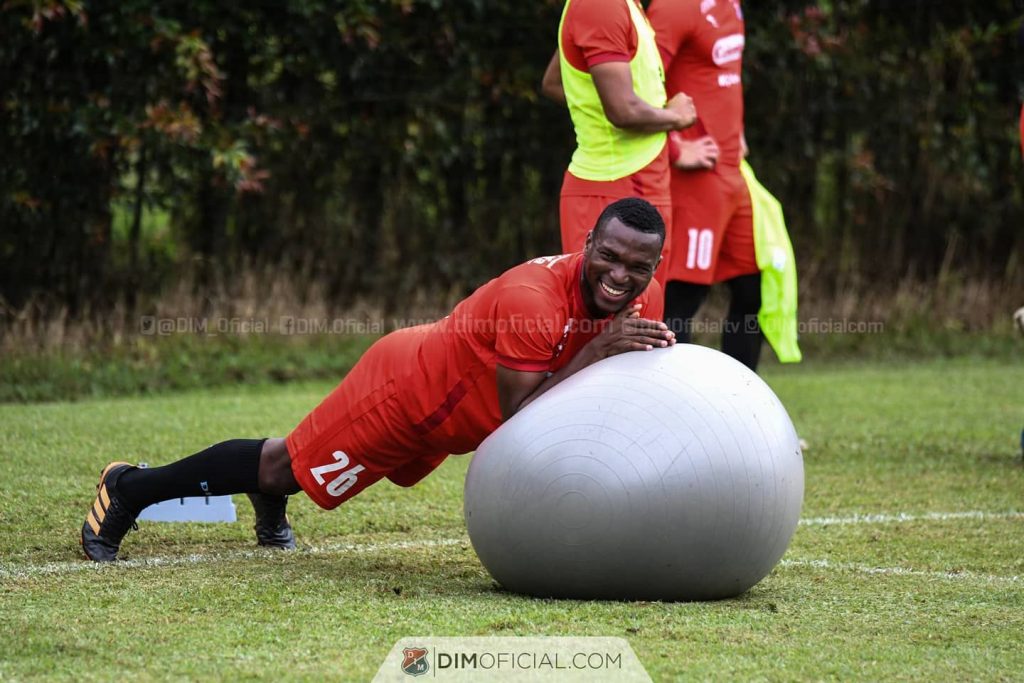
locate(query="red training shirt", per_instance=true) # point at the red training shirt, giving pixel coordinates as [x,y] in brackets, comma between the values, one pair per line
[530,318]
[701,44]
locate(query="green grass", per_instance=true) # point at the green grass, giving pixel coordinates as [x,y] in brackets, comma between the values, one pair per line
[150,365]
[925,598]
[146,365]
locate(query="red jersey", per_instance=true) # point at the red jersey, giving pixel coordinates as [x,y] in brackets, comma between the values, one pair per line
[701,44]
[530,318]
[424,392]
[598,31]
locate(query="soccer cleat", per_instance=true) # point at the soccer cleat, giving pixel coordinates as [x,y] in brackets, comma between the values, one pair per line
[272,527]
[109,519]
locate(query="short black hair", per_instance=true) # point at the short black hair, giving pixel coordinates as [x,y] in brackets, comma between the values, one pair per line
[634,212]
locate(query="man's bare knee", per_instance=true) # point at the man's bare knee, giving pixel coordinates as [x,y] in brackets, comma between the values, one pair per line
[275,474]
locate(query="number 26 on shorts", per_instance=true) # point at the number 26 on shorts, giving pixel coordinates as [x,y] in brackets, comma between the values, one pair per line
[342,482]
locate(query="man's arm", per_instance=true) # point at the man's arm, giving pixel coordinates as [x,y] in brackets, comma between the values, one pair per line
[513,388]
[551,85]
[625,109]
[626,332]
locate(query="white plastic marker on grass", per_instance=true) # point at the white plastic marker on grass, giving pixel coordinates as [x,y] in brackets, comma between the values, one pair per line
[195,509]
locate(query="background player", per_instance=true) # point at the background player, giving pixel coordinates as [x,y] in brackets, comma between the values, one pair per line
[421,393]
[607,70]
[712,234]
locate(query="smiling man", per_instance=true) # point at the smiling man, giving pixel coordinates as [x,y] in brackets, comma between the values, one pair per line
[422,393]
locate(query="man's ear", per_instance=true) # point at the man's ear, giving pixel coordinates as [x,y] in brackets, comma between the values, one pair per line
[589,241]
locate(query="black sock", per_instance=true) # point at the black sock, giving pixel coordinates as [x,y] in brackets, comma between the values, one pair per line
[742,336]
[224,468]
[682,299]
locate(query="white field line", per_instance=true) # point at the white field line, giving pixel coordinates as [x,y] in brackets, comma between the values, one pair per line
[14,570]
[963,575]
[906,517]
[20,571]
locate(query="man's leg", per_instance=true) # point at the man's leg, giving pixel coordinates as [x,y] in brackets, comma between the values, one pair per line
[414,471]
[688,277]
[742,336]
[275,470]
[698,221]
[682,300]
[356,436]
[229,467]
[737,267]
[276,483]
[222,469]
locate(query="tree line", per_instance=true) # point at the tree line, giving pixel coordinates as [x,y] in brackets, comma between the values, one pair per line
[386,147]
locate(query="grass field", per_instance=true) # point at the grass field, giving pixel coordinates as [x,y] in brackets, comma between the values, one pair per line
[908,563]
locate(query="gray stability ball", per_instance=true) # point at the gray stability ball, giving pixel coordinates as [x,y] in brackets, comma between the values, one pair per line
[672,474]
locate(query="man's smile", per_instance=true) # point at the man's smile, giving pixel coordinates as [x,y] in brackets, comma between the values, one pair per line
[611,291]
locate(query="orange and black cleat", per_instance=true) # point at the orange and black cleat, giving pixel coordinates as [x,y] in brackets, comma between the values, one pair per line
[109,519]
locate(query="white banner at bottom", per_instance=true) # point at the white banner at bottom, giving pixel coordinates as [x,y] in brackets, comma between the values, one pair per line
[512,659]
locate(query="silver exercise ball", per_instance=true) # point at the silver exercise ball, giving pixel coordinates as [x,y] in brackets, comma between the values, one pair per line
[672,474]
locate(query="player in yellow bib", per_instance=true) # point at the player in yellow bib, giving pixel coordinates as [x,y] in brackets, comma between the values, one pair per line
[608,72]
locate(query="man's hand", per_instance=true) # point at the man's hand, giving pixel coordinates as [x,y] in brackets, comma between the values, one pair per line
[681,104]
[693,155]
[629,332]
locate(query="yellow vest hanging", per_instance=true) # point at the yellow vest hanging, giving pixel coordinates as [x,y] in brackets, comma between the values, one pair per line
[604,152]
[775,259]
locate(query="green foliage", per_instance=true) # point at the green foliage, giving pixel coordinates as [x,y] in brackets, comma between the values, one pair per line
[384,147]
[889,130]
[383,133]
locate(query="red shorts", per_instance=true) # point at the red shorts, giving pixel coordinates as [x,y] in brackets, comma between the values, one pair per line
[578,215]
[361,432]
[582,201]
[713,227]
